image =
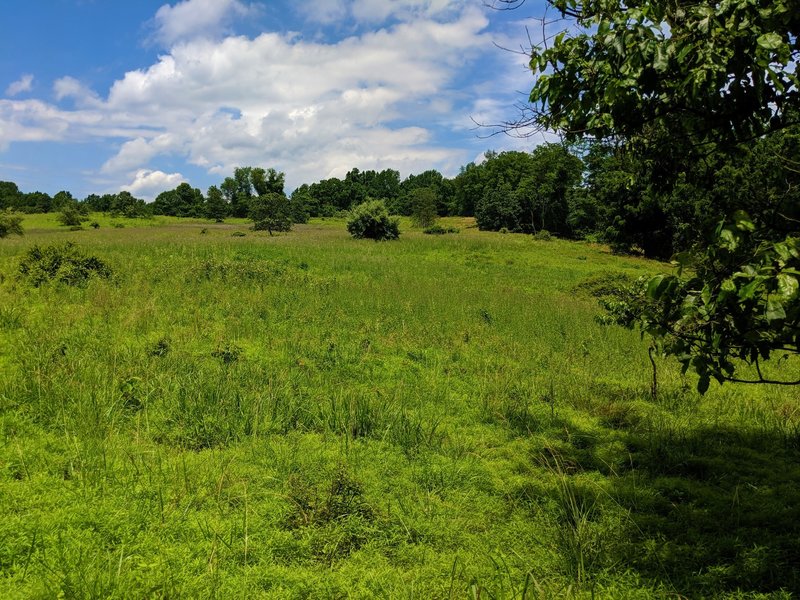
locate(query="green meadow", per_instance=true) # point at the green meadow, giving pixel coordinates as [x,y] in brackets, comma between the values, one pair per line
[310,416]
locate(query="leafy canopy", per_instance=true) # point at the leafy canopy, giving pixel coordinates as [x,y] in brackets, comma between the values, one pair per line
[716,72]
[671,82]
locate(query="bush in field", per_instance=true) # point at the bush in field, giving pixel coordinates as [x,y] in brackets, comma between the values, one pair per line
[71,215]
[371,220]
[64,263]
[10,223]
[271,212]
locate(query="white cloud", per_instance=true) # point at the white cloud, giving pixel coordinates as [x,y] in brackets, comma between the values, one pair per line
[308,108]
[23,84]
[138,152]
[148,184]
[69,87]
[372,12]
[323,11]
[191,19]
[379,11]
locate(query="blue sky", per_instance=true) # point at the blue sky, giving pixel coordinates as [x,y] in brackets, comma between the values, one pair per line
[98,95]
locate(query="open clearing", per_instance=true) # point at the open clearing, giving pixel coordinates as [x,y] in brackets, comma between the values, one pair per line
[310,416]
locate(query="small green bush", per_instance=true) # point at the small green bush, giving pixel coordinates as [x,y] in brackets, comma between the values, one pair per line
[64,263]
[543,235]
[94,225]
[371,220]
[72,216]
[10,224]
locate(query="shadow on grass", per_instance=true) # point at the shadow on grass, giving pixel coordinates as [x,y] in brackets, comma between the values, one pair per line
[715,510]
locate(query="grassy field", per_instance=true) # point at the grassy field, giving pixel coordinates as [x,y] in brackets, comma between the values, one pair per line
[311,416]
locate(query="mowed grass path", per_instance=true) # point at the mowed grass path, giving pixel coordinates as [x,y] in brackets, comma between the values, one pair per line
[311,416]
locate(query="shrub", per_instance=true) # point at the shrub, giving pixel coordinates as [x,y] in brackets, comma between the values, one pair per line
[71,216]
[94,225]
[10,224]
[371,220]
[543,235]
[64,263]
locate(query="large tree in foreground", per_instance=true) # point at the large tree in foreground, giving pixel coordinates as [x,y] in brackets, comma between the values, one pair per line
[673,83]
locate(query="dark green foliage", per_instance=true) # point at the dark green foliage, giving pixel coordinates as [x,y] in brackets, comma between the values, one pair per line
[543,194]
[332,195]
[183,201]
[71,215]
[9,195]
[62,263]
[10,224]
[271,212]
[127,205]
[423,207]
[267,181]
[62,200]
[689,68]
[520,191]
[33,202]
[371,220]
[303,204]
[216,207]
[498,209]
[442,188]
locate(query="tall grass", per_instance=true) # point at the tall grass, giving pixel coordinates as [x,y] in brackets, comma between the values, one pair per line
[307,415]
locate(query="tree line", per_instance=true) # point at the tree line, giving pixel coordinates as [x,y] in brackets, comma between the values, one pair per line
[594,190]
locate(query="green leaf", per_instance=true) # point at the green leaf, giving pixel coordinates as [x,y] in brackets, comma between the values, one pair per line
[728,239]
[775,311]
[660,61]
[770,41]
[743,221]
[787,286]
[658,285]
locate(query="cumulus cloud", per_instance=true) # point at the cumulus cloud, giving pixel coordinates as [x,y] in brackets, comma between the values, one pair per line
[196,18]
[309,108]
[23,84]
[148,184]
